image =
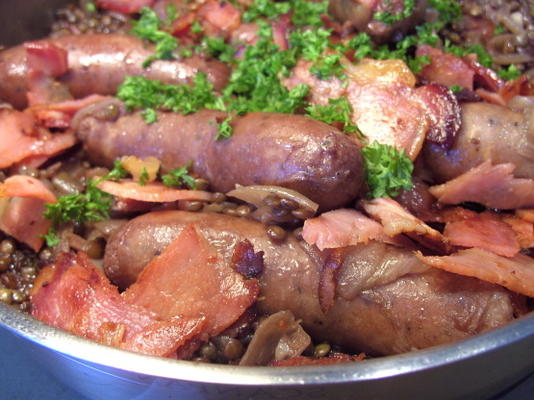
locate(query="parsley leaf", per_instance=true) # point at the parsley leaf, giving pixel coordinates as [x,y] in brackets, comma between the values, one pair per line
[143,178]
[265,8]
[149,95]
[179,177]
[389,19]
[509,73]
[148,28]
[449,10]
[387,169]
[337,110]
[93,205]
[308,13]
[483,56]
[224,129]
[218,48]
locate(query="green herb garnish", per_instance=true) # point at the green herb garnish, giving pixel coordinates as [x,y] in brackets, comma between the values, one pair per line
[509,73]
[387,169]
[93,205]
[337,110]
[224,129]
[149,95]
[389,19]
[179,177]
[265,9]
[143,178]
[148,28]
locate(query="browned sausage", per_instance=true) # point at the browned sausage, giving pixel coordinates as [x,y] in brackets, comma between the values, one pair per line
[488,132]
[406,305]
[292,151]
[99,63]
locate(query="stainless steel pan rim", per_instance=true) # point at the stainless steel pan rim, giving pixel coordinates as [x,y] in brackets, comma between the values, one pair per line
[384,367]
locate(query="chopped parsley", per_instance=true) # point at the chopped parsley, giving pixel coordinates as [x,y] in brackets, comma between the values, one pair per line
[224,129]
[456,88]
[179,177]
[449,10]
[90,7]
[308,13]
[336,111]
[389,19]
[482,54]
[266,9]
[148,95]
[143,178]
[218,48]
[148,28]
[196,27]
[509,73]
[387,170]
[92,205]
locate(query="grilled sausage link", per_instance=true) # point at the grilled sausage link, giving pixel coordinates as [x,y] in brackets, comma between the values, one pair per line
[379,313]
[98,64]
[292,151]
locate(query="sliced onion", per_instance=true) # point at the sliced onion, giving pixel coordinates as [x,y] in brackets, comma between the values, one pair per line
[255,195]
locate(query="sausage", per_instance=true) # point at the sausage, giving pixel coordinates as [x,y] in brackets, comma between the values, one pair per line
[98,64]
[292,151]
[488,132]
[379,313]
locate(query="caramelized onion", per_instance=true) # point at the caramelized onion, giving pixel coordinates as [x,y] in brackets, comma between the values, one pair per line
[256,195]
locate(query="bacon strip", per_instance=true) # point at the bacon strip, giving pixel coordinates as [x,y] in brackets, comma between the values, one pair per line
[341,228]
[22,215]
[485,231]
[397,220]
[491,186]
[189,279]
[73,295]
[390,114]
[26,186]
[151,192]
[124,6]
[445,68]
[45,62]
[22,140]
[516,274]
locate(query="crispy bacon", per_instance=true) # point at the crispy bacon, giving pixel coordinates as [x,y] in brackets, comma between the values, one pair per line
[397,220]
[445,68]
[26,186]
[485,231]
[45,62]
[59,115]
[22,215]
[22,140]
[219,16]
[73,295]
[124,6]
[516,274]
[22,218]
[189,279]
[246,261]
[151,192]
[341,228]
[391,115]
[523,230]
[491,186]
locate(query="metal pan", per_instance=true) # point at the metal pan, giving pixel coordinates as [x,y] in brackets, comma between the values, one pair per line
[477,368]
